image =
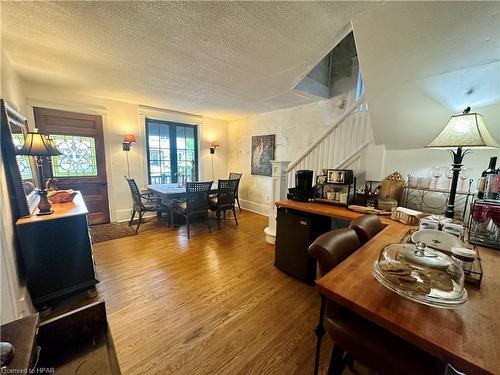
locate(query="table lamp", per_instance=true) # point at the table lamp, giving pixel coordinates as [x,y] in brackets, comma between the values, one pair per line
[51,183]
[466,130]
[37,144]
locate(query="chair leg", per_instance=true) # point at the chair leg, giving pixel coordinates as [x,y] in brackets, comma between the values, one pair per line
[336,366]
[234,213]
[238,201]
[349,360]
[172,219]
[139,223]
[187,223]
[218,219]
[319,331]
[208,224]
[131,218]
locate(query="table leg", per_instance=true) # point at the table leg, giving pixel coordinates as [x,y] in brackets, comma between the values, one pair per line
[320,331]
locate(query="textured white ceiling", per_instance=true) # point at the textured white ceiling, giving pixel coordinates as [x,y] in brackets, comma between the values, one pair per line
[223,59]
[423,61]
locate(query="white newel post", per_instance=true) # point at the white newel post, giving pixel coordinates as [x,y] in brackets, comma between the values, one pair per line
[279,189]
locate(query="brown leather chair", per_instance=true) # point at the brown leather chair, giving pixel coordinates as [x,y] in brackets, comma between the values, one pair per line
[355,337]
[366,227]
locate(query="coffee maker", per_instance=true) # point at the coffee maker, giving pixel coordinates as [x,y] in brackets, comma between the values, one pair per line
[303,190]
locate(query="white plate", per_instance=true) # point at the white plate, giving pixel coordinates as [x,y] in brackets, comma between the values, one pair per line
[436,239]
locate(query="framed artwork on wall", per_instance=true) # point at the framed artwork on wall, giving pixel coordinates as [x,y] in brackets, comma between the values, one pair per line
[262,154]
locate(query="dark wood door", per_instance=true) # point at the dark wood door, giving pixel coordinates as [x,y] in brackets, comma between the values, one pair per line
[82,166]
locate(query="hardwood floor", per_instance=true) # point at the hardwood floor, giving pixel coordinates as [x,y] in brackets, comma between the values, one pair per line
[212,305]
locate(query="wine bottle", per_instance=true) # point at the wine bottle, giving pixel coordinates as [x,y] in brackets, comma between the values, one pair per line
[490,175]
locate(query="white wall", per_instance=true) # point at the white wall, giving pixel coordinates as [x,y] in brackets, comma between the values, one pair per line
[14,299]
[295,129]
[121,118]
[419,162]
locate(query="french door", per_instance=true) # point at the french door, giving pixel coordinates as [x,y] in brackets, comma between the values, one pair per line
[82,165]
[172,151]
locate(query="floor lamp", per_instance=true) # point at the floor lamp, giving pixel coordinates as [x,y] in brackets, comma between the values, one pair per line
[463,132]
[128,140]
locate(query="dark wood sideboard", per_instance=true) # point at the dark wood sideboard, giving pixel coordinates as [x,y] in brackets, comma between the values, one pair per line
[56,252]
[65,343]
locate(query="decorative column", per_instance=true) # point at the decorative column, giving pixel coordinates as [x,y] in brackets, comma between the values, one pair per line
[279,189]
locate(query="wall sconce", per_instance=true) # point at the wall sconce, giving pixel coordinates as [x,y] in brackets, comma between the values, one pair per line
[128,140]
[213,146]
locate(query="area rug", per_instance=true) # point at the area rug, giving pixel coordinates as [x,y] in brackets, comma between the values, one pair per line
[111,231]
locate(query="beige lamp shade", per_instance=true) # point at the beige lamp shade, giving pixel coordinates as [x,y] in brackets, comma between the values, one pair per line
[36,144]
[464,130]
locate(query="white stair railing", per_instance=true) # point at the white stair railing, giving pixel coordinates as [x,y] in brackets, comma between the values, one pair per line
[338,145]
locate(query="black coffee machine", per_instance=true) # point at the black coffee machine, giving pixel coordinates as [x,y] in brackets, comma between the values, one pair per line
[303,190]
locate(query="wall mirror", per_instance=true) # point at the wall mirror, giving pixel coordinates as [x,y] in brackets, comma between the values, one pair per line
[20,170]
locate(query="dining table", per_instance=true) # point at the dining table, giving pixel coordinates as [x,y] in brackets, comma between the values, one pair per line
[467,337]
[171,191]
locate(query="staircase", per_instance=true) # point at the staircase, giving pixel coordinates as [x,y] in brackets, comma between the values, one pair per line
[339,146]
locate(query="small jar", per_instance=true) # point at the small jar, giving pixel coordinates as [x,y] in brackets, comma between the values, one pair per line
[464,256]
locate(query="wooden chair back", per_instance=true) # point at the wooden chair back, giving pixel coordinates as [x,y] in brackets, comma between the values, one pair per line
[197,196]
[236,177]
[226,193]
[136,194]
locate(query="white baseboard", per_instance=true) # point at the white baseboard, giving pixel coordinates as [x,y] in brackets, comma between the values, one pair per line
[258,208]
[124,215]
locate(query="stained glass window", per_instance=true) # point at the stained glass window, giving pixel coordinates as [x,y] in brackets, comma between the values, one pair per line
[23,161]
[78,157]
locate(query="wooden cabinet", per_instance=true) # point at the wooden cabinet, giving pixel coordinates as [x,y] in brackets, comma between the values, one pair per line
[21,334]
[56,252]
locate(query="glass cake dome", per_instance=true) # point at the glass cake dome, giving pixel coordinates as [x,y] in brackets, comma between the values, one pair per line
[421,274]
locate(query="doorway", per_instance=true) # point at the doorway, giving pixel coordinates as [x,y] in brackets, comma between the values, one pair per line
[82,165]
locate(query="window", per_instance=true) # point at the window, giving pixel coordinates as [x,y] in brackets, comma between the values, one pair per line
[172,151]
[78,157]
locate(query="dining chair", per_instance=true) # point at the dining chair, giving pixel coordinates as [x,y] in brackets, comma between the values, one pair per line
[224,199]
[195,205]
[142,203]
[236,176]
[354,337]
[366,227]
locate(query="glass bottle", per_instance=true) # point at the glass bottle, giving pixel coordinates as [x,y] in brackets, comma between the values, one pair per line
[490,175]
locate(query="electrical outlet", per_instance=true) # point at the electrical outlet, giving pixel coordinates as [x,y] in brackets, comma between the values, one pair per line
[268,198]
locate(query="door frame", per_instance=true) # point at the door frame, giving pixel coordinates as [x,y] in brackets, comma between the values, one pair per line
[172,139]
[182,118]
[89,110]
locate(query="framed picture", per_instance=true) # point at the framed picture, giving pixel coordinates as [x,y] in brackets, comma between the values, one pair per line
[262,154]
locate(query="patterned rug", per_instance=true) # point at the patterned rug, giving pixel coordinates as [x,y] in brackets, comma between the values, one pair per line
[111,231]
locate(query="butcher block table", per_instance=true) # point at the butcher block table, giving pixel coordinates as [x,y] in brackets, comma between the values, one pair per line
[468,337]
